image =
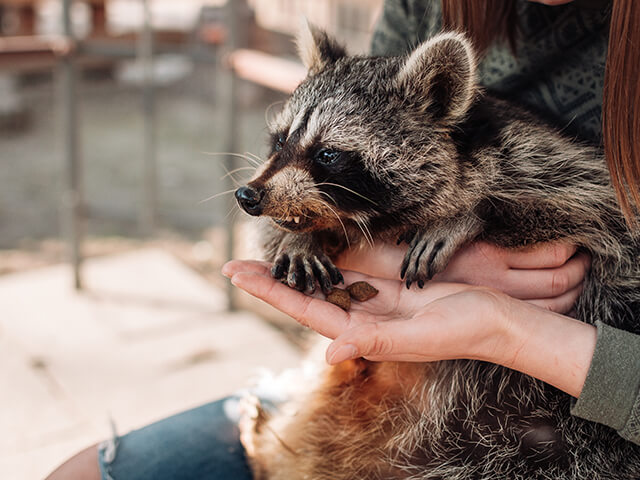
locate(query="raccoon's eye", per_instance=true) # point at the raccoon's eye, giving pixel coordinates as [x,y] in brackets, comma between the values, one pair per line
[326,156]
[279,143]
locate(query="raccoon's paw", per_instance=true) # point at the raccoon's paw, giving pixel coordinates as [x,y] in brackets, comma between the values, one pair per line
[302,270]
[427,255]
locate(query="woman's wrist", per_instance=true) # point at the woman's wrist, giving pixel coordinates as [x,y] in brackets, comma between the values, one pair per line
[546,345]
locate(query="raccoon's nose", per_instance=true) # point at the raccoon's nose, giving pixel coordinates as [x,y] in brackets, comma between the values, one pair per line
[249,199]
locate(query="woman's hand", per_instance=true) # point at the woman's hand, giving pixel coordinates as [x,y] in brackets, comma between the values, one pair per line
[441,321]
[549,275]
[397,324]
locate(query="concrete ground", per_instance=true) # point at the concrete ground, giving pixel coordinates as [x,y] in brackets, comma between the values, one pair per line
[148,338]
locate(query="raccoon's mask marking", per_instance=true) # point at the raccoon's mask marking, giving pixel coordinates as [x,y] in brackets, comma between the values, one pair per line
[328,168]
[314,190]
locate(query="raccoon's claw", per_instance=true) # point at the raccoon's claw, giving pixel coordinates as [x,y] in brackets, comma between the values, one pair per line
[280,267]
[426,257]
[430,251]
[302,271]
[407,237]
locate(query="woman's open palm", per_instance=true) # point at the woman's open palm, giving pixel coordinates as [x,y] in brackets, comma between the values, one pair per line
[440,321]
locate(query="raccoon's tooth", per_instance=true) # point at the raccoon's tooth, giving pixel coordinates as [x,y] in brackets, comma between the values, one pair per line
[296,219]
[288,219]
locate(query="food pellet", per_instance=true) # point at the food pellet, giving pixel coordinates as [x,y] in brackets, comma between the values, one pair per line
[361,291]
[340,298]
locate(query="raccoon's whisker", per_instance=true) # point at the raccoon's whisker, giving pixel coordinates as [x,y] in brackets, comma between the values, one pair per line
[254,156]
[365,231]
[234,211]
[346,235]
[347,189]
[360,225]
[228,174]
[364,234]
[216,196]
[238,155]
[363,223]
[328,196]
[268,110]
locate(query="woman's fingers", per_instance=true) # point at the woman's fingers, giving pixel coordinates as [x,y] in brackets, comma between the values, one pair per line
[544,255]
[542,272]
[392,298]
[546,283]
[384,302]
[264,268]
[323,317]
[562,304]
[394,340]
[229,269]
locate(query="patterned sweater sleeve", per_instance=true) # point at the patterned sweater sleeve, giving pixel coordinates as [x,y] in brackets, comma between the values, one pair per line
[611,393]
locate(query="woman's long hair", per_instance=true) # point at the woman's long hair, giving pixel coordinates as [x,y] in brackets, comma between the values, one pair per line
[486,21]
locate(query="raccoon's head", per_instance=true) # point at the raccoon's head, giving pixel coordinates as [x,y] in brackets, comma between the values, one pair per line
[366,139]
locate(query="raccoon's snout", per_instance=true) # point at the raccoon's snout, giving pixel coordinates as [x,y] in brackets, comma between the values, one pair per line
[250,200]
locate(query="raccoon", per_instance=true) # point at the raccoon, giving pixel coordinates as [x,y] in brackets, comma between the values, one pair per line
[411,149]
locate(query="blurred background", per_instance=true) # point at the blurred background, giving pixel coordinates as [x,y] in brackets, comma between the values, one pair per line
[122,125]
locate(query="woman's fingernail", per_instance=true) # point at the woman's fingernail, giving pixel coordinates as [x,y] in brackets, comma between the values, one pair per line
[345,352]
[226,271]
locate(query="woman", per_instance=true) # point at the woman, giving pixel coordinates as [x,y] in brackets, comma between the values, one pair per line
[446,320]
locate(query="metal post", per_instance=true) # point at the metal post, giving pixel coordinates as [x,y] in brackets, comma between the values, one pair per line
[73,197]
[148,208]
[231,118]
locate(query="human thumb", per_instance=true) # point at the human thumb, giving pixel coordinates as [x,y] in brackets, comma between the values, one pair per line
[370,340]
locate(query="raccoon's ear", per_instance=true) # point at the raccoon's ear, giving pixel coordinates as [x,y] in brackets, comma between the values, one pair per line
[440,76]
[317,49]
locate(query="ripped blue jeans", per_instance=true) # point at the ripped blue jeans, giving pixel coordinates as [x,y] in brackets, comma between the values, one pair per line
[202,443]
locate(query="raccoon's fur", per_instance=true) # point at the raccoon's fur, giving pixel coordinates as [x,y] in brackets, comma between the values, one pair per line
[410,148]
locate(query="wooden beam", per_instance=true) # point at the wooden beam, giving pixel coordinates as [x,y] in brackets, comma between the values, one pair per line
[31,44]
[267,70]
